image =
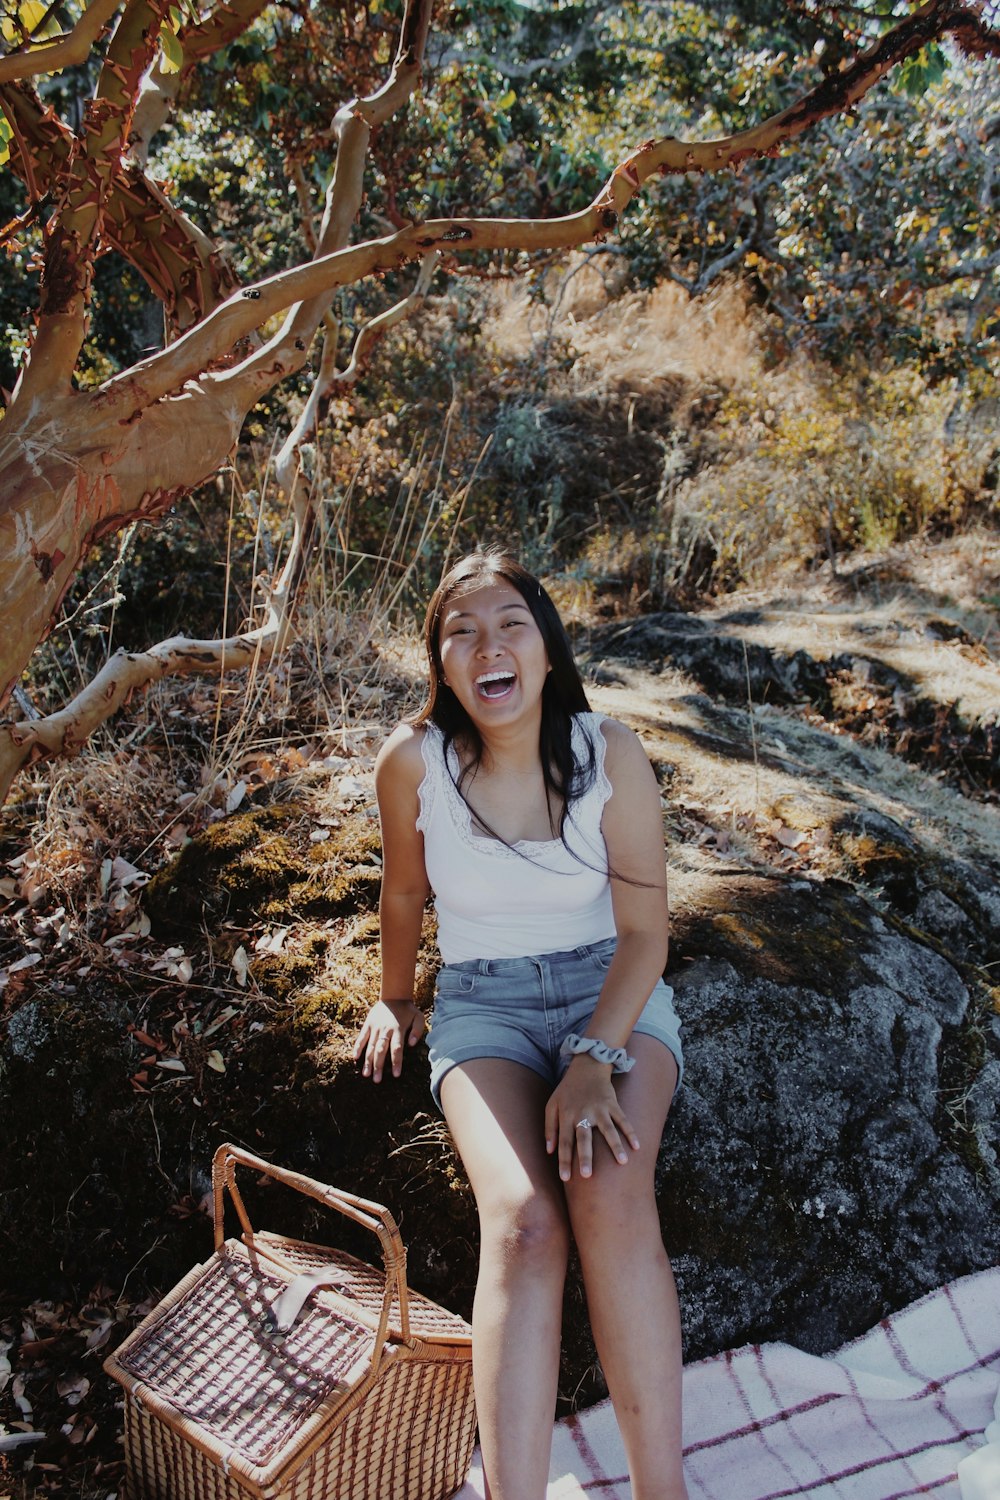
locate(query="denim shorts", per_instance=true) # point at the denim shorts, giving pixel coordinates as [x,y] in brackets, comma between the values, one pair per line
[523,1008]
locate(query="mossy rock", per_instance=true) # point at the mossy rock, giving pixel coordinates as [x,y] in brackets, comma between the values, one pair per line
[261,866]
[952,902]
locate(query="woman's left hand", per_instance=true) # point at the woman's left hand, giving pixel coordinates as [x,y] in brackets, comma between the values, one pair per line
[586,1094]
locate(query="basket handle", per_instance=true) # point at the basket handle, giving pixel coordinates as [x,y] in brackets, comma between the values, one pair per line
[363,1211]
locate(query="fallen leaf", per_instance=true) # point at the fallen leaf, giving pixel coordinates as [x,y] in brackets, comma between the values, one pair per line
[221,1019]
[241,966]
[236,796]
[98,1337]
[350,786]
[175,964]
[27,962]
[11,1440]
[335,762]
[123,873]
[273,941]
[73,1388]
[216,1061]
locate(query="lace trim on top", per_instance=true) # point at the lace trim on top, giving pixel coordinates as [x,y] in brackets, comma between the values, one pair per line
[437,773]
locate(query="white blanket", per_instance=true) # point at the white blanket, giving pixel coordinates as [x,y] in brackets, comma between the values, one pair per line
[885,1417]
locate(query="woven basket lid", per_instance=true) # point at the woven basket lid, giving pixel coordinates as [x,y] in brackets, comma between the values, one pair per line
[364,1285]
[215,1355]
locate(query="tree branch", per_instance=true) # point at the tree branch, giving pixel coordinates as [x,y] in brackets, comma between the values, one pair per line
[158,90]
[41,145]
[179,263]
[66,51]
[72,233]
[282,355]
[329,376]
[65,732]
[970,268]
[353,125]
[223,25]
[753,240]
[135,43]
[579,36]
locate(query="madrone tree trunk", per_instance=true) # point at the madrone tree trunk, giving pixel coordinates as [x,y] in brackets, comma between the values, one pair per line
[77,465]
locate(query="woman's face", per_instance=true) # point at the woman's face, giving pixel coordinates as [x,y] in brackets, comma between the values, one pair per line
[492,654]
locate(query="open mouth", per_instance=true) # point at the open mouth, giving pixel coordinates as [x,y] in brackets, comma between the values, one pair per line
[495,685]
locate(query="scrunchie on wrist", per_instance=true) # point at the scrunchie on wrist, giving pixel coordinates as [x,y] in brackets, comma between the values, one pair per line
[599,1051]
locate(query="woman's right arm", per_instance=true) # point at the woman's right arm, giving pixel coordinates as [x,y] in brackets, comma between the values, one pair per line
[396,1021]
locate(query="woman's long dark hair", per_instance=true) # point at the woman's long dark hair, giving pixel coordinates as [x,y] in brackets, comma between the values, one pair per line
[566,779]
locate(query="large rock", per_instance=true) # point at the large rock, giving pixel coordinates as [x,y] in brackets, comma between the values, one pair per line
[812,1176]
[833,1153]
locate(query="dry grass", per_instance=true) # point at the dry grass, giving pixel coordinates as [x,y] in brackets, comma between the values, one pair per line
[825,776]
[924,610]
[767,462]
[633,341]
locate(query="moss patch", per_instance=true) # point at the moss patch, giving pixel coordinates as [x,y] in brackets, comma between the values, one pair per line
[262,866]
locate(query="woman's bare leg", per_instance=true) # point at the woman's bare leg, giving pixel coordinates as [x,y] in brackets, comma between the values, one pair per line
[630,1287]
[495,1110]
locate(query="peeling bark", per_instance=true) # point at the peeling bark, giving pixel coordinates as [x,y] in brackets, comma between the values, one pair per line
[66,51]
[66,732]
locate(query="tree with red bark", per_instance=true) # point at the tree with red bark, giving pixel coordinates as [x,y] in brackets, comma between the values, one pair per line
[80,461]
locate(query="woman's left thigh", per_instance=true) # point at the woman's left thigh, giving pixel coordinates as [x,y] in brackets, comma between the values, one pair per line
[645,1093]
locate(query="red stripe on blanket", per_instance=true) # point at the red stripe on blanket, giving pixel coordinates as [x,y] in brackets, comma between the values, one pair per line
[877,1463]
[757,1423]
[600,1479]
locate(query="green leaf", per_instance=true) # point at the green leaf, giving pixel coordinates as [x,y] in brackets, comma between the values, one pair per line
[28,23]
[172,59]
[506,100]
[921,71]
[5,137]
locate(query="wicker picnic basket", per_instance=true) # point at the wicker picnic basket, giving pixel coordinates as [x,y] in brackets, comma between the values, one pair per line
[289,1371]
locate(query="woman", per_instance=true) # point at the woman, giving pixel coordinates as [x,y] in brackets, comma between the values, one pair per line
[536,824]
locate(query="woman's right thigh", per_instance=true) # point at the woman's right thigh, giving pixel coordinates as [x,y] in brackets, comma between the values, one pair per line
[495,1111]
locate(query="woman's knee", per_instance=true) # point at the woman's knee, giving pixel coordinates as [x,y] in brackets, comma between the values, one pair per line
[618,1204]
[531,1229]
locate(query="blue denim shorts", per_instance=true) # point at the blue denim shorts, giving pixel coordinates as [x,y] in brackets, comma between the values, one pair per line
[523,1008]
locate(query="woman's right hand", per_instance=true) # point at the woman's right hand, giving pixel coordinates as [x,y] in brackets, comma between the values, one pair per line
[389,1025]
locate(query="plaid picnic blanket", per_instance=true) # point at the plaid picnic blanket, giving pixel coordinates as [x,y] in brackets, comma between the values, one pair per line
[885,1417]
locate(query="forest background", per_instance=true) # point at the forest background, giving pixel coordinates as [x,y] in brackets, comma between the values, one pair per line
[759,377]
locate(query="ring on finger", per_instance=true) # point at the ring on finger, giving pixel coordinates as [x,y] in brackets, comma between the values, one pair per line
[584,1124]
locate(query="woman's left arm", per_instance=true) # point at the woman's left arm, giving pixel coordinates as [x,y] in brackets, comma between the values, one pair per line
[633,831]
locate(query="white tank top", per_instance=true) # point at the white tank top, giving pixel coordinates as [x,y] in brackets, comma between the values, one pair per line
[495,901]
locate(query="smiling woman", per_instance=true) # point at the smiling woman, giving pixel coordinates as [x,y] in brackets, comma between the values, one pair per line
[491,644]
[536,825]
